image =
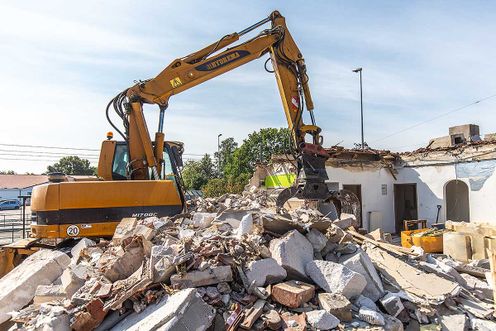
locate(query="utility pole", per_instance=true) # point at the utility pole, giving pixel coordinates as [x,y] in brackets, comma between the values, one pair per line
[218,152]
[359,70]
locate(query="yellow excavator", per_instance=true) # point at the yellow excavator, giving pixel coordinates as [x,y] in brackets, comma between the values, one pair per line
[140,177]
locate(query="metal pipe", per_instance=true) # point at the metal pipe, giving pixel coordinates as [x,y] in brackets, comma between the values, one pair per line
[254,26]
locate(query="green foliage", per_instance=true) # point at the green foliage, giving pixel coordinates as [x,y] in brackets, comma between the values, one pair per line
[219,186]
[72,165]
[258,147]
[7,172]
[197,173]
[225,153]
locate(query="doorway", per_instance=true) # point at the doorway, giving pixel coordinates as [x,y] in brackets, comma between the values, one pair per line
[357,190]
[405,204]
[457,201]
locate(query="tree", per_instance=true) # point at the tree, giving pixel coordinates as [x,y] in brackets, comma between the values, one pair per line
[225,153]
[197,173]
[258,147]
[7,172]
[72,165]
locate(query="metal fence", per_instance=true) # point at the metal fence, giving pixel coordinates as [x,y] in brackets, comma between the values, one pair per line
[12,226]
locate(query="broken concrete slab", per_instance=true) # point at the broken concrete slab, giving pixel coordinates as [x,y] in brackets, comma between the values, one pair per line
[264,272]
[336,304]
[457,246]
[317,239]
[124,229]
[479,287]
[126,263]
[392,323]
[73,278]
[363,301]
[184,310]
[455,322]
[293,293]
[392,304]
[336,278]
[361,263]
[322,320]
[370,316]
[202,278]
[292,251]
[48,293]
[410,279]
[82,244]
[203,220]
[18,287]
[345,221]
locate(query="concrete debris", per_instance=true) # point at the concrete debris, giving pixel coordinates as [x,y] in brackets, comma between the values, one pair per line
[336,304]
[18,287]
[232,263]
[264,272]
[317,239]
[456,322]
[322,320]
[371,316]
[361,263]
[392,304]
[336,278]
[292,252]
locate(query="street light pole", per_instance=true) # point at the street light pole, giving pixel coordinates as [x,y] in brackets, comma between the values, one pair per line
[218,151]
[359,70]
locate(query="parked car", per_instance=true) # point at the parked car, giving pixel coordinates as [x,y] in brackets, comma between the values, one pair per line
[9,204]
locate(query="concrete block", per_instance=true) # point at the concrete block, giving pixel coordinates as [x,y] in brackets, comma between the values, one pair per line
[203,220]
[124,229]
[322,320]
[293,293]
[82,244]
[265,272]
[392,304]
[73,279]
[345,221]
[126,264]
[363,301]
[203,278]
[18,287]
[48,293]
[292,251]
[456,322]
[336,278]
[245,226]
[457,246]
[146,232]
[317,239]
[392,323]
[336,304]
[185,310]
[361,263]
[161,262]
[370,316]
[482,325]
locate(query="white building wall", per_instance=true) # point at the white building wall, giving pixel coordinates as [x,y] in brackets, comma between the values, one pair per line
[431,182]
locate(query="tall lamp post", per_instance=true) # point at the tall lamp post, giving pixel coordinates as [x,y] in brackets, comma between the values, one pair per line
[359,70]
[218,151]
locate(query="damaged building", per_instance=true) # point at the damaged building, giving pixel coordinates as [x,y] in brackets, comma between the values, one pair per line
[450,179]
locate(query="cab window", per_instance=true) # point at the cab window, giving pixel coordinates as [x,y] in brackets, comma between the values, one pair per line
[121,160]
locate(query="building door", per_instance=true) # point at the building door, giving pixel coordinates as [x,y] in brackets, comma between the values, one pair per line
[405,204]
[457,203]
[357,190]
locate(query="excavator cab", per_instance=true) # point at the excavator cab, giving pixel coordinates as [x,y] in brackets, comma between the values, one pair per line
[93,208]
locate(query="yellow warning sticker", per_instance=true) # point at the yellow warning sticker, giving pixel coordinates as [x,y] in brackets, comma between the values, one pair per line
[176,82]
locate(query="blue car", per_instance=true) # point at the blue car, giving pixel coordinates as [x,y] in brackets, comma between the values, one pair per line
[9,204]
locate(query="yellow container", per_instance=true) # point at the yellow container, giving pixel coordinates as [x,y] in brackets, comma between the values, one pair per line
[428,244]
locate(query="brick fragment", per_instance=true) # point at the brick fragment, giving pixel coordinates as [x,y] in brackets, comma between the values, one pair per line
[293,293]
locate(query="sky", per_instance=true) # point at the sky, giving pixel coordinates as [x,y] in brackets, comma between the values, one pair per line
[61,62]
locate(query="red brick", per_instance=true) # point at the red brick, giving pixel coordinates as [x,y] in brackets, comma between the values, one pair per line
[293,293]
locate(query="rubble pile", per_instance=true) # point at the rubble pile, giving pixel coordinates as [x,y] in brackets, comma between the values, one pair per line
[234,263]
